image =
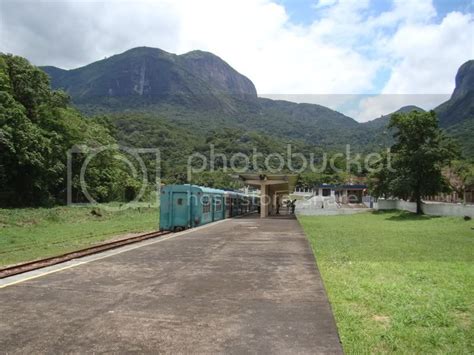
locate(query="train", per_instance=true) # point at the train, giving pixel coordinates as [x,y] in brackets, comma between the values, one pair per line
[188,206]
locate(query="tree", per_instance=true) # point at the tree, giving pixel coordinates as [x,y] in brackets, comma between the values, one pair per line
[37,128]
[460,175]
[419,155]
[379,182]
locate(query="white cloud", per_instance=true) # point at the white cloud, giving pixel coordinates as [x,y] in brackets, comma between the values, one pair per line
[335,102]
[428,55]
[424,58]
[257,38]
[369,108]
[325,3]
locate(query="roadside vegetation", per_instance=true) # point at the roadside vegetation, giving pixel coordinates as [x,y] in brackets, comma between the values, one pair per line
[34,233]
[398,282]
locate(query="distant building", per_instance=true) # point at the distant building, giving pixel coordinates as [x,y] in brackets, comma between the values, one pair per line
[344,193]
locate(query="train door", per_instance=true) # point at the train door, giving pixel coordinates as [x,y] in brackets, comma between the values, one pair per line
[207,209]
[228,206]
[218,210]
[180,210]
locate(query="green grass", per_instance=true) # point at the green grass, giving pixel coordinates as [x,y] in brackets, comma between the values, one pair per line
[397,282]
[28,234]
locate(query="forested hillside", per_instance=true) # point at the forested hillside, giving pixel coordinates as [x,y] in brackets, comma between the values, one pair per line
[198,90]
[37,128]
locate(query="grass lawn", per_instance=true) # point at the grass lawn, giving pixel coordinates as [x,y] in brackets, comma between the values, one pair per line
[397,282]
[28,234]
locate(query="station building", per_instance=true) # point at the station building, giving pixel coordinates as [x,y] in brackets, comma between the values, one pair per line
[272,187]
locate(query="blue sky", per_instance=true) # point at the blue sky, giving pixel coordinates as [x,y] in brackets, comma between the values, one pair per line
[304,12]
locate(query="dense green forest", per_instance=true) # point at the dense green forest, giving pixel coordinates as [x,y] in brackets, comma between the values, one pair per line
[177,143]
[37,129]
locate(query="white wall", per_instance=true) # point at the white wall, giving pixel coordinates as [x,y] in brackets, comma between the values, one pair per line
[329,212]
[429,208]
[448,209]
[317,203]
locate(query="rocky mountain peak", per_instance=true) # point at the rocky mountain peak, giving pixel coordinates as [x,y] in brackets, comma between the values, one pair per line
[464,80]
[460,107]
[145,75]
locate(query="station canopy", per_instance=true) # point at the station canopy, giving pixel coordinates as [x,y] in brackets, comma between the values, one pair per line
[280,183]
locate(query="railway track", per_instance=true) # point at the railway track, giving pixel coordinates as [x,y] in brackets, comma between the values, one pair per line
[38,264]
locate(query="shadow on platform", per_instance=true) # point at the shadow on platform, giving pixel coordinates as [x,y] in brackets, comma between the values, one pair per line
[279,216]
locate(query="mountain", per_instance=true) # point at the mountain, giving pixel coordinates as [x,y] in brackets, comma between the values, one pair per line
[456,115]
[460,107]
[382,122]
[198,90]
[463,133]
[144,76]
[375,133]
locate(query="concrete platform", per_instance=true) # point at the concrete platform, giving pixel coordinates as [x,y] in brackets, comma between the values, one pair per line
[244,285]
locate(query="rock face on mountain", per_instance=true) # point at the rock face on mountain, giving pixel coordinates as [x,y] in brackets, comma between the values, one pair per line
[456,115]
[460,107]
[152,76]
[464,80]
[218,74]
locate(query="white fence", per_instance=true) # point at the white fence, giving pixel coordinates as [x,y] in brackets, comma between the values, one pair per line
[324,206]
[429,208]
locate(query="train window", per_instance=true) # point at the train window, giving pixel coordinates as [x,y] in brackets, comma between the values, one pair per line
[206,208]
[180,201]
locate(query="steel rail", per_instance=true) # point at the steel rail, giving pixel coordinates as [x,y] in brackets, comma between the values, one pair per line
[41,263]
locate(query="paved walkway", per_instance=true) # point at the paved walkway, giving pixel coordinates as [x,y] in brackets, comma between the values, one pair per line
[239,286]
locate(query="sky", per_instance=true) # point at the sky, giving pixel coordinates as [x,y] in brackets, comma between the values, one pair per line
[364,58]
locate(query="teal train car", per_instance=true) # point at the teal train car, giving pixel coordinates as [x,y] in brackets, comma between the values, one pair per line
[188,206]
